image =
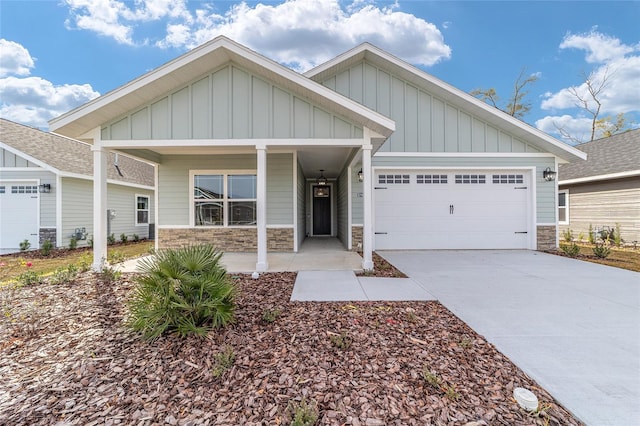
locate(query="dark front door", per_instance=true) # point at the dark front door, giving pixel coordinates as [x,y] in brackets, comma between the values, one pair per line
[321,210]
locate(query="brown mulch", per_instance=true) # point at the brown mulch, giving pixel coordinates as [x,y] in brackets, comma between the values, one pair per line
[65,358]
[382,268]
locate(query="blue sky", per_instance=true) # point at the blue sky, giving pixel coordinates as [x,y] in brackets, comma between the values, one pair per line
[58,54]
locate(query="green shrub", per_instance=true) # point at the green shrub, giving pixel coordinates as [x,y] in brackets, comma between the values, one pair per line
[111,239]
[64,275]
[135,238]
[571,250]
[223,361]
[303,413]
[183,290]
[90,242]
[601,251]
[109,275]
[73,243]
[123,238]
[270,315]
[46,248]
[29,278]
[116,256]
[567,235]
[617,238]
[24,246]
[85,261]
[592,235]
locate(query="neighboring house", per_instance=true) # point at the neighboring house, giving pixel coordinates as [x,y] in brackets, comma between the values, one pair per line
[253,156]
[605,189]
[46,190]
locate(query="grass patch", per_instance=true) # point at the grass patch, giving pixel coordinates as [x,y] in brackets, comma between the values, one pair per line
[618,257]
[12,266]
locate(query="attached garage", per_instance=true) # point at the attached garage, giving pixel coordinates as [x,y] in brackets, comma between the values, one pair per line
[453,209]
[19,209]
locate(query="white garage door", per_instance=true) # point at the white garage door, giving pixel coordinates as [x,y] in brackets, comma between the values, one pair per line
[18,215]
[452,209]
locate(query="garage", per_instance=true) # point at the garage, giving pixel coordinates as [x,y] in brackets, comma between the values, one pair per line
[19,211]
[453,209]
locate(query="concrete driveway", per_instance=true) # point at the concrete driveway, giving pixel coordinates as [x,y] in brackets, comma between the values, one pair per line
[572,326]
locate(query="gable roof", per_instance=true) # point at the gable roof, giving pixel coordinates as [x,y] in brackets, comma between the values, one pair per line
[386,61]
[194,64]
[608,158]
[65,156]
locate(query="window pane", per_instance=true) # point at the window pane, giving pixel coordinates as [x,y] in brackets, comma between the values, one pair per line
[242,186]
[242,213]
[562,199]
[208,214]
[143,203]
[562,215]
[143,217]
[207,187]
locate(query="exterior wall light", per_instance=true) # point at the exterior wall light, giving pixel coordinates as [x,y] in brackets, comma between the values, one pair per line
[44,188]
[360,176]
[549,175]
[321,180]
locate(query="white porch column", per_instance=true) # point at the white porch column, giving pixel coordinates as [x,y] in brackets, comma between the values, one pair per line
[100,156]
[367,199]
[261,208]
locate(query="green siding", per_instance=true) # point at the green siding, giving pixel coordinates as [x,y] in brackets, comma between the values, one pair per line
[301,198]
[173,178]
[343,206]
[230,103]
[545,195]
[424,123]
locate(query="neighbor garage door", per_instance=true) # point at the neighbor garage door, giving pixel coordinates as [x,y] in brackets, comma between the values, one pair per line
[18,215]
[452,209]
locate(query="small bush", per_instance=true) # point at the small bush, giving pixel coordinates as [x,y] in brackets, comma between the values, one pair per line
[24,246]
[592,235]
[64,275]
[135,238]
[571,250]
[270,315]
[303,413]
[601,251]
[46,248]
[111,239]
[29,278]
[431,378]
[617,238]
[109,275]
[116,256]
[341,341]
[183,290]
[567,235]
[223,361]
[451,393]
[123,238]
[90,242]
[84,262]
[73,243]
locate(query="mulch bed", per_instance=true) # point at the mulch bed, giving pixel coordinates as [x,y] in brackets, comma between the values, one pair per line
[65,358]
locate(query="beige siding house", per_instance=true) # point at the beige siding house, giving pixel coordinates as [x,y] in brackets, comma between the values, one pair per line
[46,190]
[604,190]
[253,156]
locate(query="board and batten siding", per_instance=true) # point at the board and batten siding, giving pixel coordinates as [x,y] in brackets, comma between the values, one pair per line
[47,201]
[342,201]
[545,194]
[77,209]
[301,194]
[229,103]
[424,123]
[9,159]
[173,178]
[605,203]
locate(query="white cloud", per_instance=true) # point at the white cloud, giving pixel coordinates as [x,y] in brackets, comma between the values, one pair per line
[14,59]
[299,33]
[616,62]
[578,127]
[34,100]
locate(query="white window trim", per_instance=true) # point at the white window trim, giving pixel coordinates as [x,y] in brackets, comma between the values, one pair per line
[566,206]
[225,200]
[136,209]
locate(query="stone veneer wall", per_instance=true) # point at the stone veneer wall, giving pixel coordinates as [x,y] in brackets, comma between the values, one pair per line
[546,237]
[226,239]
[356,238]
[47,234]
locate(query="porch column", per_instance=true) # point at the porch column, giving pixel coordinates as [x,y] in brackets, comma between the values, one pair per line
[100,156]
[367,199]
[261,208]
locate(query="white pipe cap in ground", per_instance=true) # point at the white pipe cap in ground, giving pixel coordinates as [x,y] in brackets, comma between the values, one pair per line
[255,275]
[526,399]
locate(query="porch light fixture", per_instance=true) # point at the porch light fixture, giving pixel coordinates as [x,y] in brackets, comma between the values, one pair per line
[549,175]
[44,188]
[321,180]
[360,176]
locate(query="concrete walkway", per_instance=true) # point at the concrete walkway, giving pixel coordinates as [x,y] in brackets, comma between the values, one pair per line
[572,326]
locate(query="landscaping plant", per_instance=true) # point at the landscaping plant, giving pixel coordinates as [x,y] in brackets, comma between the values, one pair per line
[571,250]
[592,235]
[303,413]
[183,290]
[24,246]
[46,248]
[601,251]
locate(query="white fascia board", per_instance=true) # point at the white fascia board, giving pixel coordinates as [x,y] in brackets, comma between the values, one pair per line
[110,181]
[29,158]
[449,91]
[225,143]
[467,154]
[609,176]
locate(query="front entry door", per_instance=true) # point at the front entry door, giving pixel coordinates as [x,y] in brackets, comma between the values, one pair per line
[321,210]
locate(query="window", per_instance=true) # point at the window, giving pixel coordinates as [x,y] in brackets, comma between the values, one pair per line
[563,207]
[470,178]
[393,179]
[224,199]
[431,178]
[142,210]
[508,178]
[24,189]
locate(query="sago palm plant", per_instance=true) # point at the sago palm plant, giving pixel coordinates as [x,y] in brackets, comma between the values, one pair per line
[183,290]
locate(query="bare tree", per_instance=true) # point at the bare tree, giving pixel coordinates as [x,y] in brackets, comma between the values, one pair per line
[590,102]
[516,107]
